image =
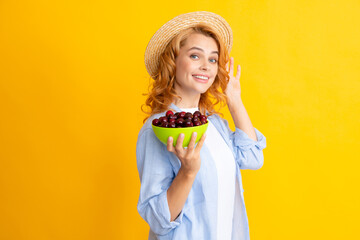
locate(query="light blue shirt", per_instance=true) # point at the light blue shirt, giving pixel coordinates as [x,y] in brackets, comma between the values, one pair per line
[158,167]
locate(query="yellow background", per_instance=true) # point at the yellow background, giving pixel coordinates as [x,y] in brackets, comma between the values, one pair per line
[71,78]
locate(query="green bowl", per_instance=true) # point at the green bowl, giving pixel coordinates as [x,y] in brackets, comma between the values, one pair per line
[164,133]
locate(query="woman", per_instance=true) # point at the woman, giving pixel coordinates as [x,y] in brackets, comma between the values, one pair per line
[196,192]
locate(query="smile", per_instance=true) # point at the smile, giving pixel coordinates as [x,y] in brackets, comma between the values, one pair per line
[201,79]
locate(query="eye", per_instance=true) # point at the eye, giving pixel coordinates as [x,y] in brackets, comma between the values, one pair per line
[214,60]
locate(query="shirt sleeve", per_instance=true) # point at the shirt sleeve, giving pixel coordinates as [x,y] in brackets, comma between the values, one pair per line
[248,152]
[156,176]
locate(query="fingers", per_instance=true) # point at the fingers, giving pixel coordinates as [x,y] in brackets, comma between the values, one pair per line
[238,72]
[200,143]
[231,70]
[170,146]
[179,143]
[192,141]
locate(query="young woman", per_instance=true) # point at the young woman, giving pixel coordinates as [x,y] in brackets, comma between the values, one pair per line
[196,192]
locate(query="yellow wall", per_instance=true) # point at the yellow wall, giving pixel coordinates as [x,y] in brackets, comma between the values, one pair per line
[71,78]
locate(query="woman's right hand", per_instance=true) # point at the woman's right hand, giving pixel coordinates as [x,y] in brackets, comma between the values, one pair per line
[190,156]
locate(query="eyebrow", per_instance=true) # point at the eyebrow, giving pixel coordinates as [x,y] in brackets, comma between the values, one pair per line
[197,48]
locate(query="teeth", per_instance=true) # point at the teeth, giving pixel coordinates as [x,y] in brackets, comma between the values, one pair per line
[201,77]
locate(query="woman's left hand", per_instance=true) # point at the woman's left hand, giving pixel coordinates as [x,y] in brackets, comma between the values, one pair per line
[233,90]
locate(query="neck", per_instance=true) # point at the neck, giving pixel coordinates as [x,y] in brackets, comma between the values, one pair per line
[188,99]
[188,102]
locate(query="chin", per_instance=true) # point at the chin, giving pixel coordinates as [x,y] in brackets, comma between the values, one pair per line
[202,91]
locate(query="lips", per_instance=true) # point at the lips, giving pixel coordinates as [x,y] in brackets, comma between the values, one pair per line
[202,75]
[201,80]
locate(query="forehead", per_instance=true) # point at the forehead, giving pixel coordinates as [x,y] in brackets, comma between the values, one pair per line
[201,41]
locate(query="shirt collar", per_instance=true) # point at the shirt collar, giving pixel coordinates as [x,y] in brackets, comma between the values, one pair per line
[176,108]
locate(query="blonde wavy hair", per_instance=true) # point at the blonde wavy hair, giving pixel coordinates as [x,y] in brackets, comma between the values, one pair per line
[161,93]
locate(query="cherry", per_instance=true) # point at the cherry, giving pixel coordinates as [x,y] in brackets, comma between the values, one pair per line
[163,119]
[164,124]
[197,114]
[188,115]
[203,117]
[195,119]
[197,123]
[156,122]
[182,114]
[188,123]
[171,125]
[172,117]
[169,113]
[179,121]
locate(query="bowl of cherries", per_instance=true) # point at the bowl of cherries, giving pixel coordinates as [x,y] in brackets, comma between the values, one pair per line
[172,124]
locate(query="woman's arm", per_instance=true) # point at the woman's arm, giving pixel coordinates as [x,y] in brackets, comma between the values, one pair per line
[235,104]
[178,192]
[241,118]
[190,160]
[156,176]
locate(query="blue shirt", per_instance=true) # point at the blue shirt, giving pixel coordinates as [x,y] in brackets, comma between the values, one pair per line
[158,167]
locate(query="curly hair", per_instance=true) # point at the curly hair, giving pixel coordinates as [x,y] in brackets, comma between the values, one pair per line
[162,92]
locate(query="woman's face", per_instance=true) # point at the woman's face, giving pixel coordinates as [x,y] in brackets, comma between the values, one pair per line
[198,57]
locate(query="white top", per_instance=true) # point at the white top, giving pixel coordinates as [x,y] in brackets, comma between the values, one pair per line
[225,164]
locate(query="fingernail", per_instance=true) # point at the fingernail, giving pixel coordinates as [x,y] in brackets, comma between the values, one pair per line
[181,135]
[194,133]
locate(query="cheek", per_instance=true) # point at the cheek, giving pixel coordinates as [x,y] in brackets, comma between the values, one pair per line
[187,66]
[181,67]
[216,70]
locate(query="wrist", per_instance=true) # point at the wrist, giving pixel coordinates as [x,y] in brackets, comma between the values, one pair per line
[190,175]
[234,103]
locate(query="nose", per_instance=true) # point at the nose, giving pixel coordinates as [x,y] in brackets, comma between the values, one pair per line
[205,66]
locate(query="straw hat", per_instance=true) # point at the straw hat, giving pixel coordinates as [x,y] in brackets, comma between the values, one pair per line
[164,35]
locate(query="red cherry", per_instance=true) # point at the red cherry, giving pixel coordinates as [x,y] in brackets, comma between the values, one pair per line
[172,117]
[169,113]
[171,125]
[195,119]
[187,123]
[164,124]
[197,123]
[197,114]
[163,119]
[203,117]
[182,114]
[179,121]
[188,115]
[156,122]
